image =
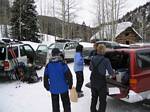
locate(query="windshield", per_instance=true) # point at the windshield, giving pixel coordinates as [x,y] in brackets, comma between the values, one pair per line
[2,53]
[57,45]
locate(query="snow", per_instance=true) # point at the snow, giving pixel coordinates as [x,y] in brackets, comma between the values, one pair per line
[108,29]
[122,27]
[34,97]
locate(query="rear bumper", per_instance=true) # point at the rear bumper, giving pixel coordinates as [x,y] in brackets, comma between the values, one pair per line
[133,97]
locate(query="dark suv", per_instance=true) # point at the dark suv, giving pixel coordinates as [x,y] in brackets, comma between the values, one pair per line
[13,52]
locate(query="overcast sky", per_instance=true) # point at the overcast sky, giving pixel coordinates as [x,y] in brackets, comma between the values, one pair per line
[87,9]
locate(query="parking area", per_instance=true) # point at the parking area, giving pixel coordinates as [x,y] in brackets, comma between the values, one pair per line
[33,97]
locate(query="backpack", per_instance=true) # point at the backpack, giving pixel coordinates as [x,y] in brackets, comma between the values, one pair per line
[97,80]
[33,77]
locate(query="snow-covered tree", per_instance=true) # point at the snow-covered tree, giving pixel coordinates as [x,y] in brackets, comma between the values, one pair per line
[24,22]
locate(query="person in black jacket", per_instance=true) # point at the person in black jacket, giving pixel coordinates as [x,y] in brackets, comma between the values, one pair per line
[58,80]
[98,65]
[94,51]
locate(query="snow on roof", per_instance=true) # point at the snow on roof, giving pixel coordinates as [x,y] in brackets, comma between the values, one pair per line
[137,33]
[108,30]
[122,27]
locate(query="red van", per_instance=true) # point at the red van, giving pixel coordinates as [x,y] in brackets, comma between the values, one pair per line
[132,68]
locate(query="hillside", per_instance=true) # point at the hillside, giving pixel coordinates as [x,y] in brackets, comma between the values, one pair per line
[49,25]
[140,17]
[53,26]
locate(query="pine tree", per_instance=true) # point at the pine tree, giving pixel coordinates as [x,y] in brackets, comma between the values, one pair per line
[24,22]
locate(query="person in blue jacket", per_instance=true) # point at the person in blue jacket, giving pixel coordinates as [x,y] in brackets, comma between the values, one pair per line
[58,80]
[78,68]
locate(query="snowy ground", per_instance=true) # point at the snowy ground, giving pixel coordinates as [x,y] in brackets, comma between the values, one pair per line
[34,98]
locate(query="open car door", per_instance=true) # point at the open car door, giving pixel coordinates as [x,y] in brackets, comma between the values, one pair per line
[41,55]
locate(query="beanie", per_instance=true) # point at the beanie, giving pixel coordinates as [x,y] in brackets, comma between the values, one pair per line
[55,52]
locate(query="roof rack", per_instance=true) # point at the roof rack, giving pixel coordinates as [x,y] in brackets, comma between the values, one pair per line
[65,40]
[9,40]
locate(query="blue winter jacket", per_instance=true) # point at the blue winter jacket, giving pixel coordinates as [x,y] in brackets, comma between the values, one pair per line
[55,71]
[78,62]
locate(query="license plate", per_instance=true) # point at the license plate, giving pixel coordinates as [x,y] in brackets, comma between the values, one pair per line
[113,90]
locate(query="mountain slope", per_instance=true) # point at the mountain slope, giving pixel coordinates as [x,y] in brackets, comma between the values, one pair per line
[140,17]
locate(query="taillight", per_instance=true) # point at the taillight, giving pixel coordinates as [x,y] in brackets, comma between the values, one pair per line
[133,81]
[133,84]
[6,64]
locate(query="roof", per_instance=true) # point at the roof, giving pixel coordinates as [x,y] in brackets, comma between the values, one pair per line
[120,28]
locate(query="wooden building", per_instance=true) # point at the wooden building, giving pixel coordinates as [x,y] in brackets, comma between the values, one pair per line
[128,36]
[124,34]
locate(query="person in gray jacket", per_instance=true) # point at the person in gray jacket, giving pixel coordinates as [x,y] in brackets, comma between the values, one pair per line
[98,65]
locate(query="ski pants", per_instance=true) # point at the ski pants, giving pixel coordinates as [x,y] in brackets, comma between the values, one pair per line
[65,101]
[80,79]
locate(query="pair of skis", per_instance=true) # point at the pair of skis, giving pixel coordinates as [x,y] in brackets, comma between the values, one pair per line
[16,63]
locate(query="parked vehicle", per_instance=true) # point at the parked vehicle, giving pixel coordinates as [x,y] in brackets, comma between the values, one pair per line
[109,45]
[43,51]
[112,44]
[13,52]
[42,55]
[67,48]
[132,68]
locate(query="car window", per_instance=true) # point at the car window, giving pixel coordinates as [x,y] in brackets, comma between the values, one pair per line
[12,52]
[115,45]
[108,45]
[143,60]
[75,45]
[22,51]
[57,45]
[2,53]
[42,48]
[71,45]
[27,48]
[67,46]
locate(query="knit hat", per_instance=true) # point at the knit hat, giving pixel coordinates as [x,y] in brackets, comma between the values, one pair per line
[55,52]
